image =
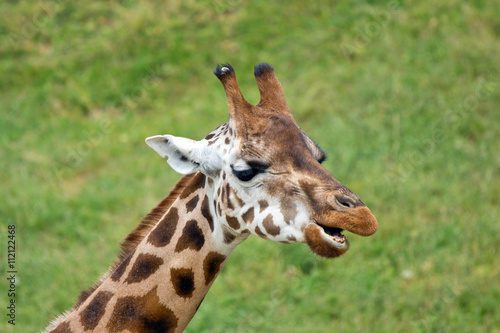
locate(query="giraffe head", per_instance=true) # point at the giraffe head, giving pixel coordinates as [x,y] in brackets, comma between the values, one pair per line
[265,173]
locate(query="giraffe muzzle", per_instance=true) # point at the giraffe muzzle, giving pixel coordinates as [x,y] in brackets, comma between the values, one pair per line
[325,236]
[326,241]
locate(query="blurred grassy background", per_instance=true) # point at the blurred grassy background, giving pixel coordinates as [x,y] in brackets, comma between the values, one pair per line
[403,96]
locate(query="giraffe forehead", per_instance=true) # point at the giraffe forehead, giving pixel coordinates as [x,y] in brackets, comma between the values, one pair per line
[269,137]
[279,141]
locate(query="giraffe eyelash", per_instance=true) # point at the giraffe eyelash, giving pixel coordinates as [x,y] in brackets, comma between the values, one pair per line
[254,168]
[247,174]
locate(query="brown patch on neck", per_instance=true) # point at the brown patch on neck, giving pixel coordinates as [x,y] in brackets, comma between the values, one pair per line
[162,234]
[212,266]
[145,265]
[189,184]
[188,187]
[205,211]
[92,314]
[63,328]
[191,204]
[183,281]
[117,274]
[191,238]
[142,314]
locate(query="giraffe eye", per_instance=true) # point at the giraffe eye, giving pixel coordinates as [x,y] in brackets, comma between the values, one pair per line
[246,175]
[254,168]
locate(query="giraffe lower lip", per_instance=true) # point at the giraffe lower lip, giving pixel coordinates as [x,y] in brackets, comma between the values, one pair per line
[326,241]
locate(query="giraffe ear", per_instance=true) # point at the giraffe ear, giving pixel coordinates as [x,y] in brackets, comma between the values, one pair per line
[185,155]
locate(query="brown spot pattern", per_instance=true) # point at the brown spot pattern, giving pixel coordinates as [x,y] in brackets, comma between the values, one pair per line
[260,233]
[191,238]
[263,205]
[248,215]
[92,314]
[240,202]
[223,194]
[63,328]
[197,183]
[183,281]
[145,265]
[228,193]
[84,295]
[233,222]
[117,274]
[163,233]
[228,236]
[191,204]
[291,238]
[205,211]
[270,227]
[219,209]
[211,265]
[142,314]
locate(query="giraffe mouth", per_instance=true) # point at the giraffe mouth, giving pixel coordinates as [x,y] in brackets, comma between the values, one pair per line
[326,241]
[334,234]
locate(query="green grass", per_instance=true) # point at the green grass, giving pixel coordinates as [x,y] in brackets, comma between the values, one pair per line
[402,96]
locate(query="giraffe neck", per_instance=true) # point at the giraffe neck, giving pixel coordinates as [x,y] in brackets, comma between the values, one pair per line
[159,284]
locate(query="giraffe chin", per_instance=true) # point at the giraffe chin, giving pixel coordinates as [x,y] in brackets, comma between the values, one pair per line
[325,242]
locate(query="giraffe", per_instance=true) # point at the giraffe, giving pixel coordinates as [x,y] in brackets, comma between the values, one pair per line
[259,174]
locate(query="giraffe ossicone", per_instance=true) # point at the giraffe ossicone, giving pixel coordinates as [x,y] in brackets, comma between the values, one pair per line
[258,174]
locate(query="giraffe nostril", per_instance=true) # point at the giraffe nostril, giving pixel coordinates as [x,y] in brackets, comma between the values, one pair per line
[346,201]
